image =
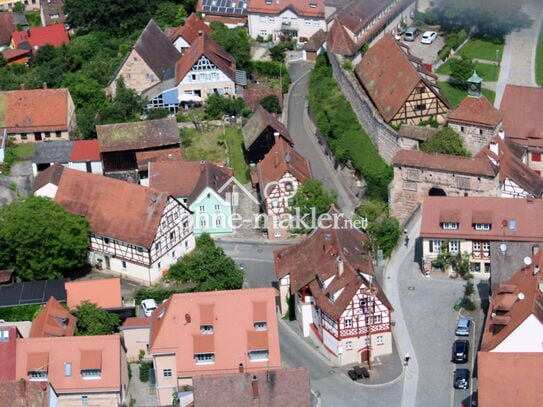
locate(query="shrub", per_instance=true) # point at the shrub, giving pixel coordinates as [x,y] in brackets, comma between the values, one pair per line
[347,65]
[19,313]
[144,370]
[444,53]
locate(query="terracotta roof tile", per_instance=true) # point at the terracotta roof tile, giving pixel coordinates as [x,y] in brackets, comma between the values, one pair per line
[135,322]
[86,150]
[143,158]
[53,320]
[339,41]
[358,14]
[520,106]
[55,35]
[51,175]
[316,41]
[24,393]
[302,8]
[421,133]
[189,30]
[138,135]
[34,110]
[252,97]
[13,56]
[205,46]
[444,162]
[7,352]
[276,388]
[106,292]
[476,111]
[7,26]
[258,122]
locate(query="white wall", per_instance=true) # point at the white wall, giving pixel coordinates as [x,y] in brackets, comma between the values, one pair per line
[526,338]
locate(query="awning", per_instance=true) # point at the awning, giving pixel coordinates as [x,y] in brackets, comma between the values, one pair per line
[204,343]
[259,311]
[449,216]
[257,340]
[91,359]
[481,217]
[37,362]
[189,98]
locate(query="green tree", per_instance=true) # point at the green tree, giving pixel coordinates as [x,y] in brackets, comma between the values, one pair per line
[383,230]
[169,14]
[311,199]
[126,106]
[93,320]
[445,141]
[19,7]
[40,240]
[158,113]
[277,53]
[235,41]
[217,106]
[3,61]
[461,70]
[271,103]
[208,267]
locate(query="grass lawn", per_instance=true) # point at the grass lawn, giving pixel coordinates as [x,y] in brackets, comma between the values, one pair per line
[476,48]
[22,151]
[445,68]
[455,95]
[34,19]
[489,72]
[539,60]
[234,142]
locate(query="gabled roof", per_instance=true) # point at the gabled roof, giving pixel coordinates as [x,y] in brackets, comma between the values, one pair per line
[252,97]
[358,14]
[53,152]
[205,46]
[101,352]
[55,35]
[176,328]
[316,41]
[444,162]
[86,150]
[51,175]
[189,30]
[34,110]
[7,26]
[302,8]
[470,210]
[138,135]
[157,51]
[105,292]
[318,257]
[258,122]
[511,167]
[24,393]
[213,176]
[114,209]
[274,388]
[143,158]
[49,8]
[53,320]
[477,111]
[282,158]
[339,41]
[230,12]
[522,120]
[15,55]
[390,74]
[506,378]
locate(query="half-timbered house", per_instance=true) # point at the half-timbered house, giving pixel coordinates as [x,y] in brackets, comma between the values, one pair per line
[280,174]
[399,85]
[337,300]
[136,232]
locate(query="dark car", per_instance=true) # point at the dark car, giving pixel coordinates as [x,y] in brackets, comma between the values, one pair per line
[461,379]
[460,351]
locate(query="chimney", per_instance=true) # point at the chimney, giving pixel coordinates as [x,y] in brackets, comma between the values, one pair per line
[254,384]
[202,166]
[501,134]
[200,33]
[22,387]
[339,266]
[22,86]
[44,85]
[241,368]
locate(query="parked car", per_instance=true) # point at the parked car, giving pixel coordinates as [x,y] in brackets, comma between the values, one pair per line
[411,33]
[428,37]
[461,379]
[460,351]
[148,306]
[462,326]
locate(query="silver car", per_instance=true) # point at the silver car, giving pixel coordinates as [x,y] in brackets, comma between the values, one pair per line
[462,326]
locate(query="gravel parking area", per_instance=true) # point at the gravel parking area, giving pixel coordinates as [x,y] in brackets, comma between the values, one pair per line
[426,52]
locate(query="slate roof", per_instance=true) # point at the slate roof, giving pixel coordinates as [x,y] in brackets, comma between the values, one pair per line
[477,111]
[53,321]
[7,26]
[55,35]
[138,135]
[444,162]
[522,120]
[157,51]
[53,152]
[318,256]
[189,30]
[301,8]
[34,110]
[204,45]
[390,74]
[258,122]
[253,96]
[275,388]
[282,158]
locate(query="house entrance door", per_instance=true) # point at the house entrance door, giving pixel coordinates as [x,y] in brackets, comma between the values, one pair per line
[108,264]
[364,355]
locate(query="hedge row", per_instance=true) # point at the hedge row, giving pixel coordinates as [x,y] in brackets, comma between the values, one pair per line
[339,125]
[452,42]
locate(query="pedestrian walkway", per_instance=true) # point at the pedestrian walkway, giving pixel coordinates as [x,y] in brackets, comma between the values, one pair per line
[142,393]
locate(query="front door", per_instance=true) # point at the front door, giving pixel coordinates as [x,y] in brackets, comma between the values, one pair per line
[364,355]
[108,264]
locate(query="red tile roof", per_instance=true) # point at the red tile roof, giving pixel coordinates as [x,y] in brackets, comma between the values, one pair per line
[444,162]
[316,41]
[252,97]
[176,328]
[339,41]
[7,26]
[136,322]
[520,106]
[205,46]
[282,159]
[318,256]
[86,150]
[189,30]
[7,352]
[51,175]
[302,8]
[53,320]
[497,212]
[115,209]
[143,158]
[476,111]
[106,292]
[34,110]
[507,379]
[390,75]
[14,56]
[228,20]
[55,35]
[24,392]
[104,351]
[276,388]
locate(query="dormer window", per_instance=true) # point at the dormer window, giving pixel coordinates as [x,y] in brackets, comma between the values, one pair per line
[258,355]
[261,325]
[482,226]
[206,329]
[37,375]
[91,373]
[449,225]
[331,297]
[268,2]
[4,335]
[313,5]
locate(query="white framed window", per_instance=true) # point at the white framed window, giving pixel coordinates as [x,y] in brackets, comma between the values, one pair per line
[217,208]
[123,263]
[202,223]
[204,358]
[85,400]
[348,323]
[453,246]
[166,372]
[263,33]
[106,240]
[435,246]
[271,19]
[307,21]
[377,318]
[316,23]
[218,222]
[37,375]
[4,335]
[348,345]
[366,341]
[262,19]
[261,325]
[380,339]
[206,329]
[486,246]
[476,245]
[449,225]
[91,373]
[258,355]
[482,226]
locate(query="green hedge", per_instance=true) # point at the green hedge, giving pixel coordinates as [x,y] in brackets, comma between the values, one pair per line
[273,69]
[19,313]
[339,125]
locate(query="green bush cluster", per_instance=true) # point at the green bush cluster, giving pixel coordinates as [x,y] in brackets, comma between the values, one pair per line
[144,370]
[452,42]
[338,124]
[273,69]
[159,294]
[19,313]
